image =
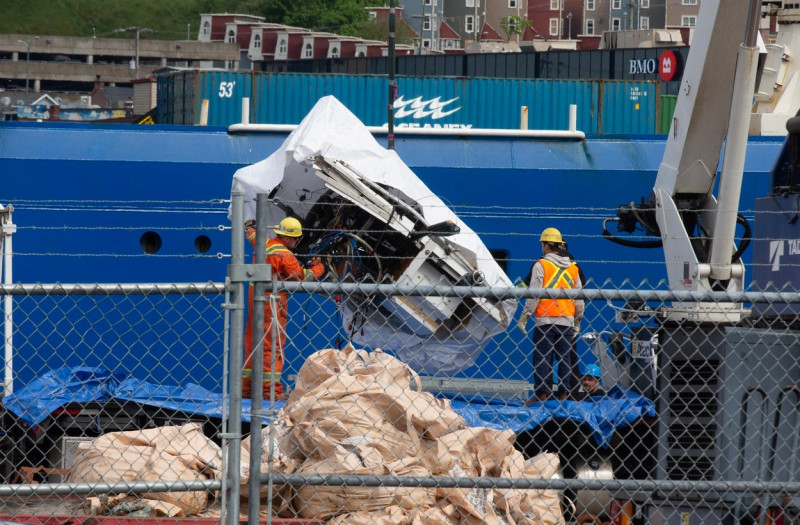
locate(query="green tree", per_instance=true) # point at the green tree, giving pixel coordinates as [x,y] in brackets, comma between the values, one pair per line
[514,25]
[379,30]
[338,16]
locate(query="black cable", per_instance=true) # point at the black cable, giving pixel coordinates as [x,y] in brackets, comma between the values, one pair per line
[628,243]
[746,237]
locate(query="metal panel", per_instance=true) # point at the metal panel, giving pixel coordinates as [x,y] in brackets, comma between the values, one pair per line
[629,107]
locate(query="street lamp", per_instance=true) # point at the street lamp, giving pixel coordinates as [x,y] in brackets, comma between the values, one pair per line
[28,45]
[569,26]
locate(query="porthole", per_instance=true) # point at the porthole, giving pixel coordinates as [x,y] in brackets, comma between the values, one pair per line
[150,242]
[202,243]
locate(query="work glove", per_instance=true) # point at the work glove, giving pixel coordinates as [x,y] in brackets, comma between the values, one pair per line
[313,262]
[523,320]
[249,223]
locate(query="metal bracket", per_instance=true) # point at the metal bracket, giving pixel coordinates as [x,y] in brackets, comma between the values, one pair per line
[244,273]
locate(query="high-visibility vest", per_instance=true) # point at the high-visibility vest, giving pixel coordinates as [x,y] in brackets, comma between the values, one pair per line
[557,277]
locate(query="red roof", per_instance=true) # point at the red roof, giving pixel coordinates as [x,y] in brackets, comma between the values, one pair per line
[445,31]
[530,34]
[488,33]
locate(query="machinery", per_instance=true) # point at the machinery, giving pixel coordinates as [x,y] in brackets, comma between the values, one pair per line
[778,95]
[372,220]
[722,370]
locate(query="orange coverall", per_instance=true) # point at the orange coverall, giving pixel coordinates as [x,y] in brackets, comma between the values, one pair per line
[286,267]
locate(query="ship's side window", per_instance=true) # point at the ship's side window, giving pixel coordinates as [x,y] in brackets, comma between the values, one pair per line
[150,242]
[202,244]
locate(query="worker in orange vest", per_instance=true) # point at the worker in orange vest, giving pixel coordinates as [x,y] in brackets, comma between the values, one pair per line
[555,319]
[286,267]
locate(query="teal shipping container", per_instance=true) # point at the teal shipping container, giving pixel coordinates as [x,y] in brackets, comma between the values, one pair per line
[181,94]
[603,106]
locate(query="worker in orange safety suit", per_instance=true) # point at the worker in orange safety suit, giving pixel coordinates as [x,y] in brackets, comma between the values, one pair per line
[285,266]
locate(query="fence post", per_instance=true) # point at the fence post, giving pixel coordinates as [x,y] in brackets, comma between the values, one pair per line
[257,363]
[233,438]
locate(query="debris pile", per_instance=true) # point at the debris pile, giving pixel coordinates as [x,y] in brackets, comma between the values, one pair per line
[355,413]
[352,413]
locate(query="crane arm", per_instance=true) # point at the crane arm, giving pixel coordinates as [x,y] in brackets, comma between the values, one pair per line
[713,108]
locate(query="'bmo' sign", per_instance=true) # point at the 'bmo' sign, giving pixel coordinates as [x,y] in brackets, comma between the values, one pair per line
[639,67]
[666,66]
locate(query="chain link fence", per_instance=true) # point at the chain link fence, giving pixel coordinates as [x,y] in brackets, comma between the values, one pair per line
[123,400]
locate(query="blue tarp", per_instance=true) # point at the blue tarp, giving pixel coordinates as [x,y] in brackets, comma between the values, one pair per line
[63,386]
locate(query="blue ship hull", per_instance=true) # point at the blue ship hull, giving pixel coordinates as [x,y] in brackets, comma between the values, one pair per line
[85,195]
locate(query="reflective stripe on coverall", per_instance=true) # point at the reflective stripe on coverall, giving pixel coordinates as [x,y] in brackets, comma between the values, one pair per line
[285,267]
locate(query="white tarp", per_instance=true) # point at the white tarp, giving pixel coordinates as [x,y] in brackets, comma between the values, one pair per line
[330,129]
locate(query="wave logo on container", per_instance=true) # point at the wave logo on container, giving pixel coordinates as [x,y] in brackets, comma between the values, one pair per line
[417,108]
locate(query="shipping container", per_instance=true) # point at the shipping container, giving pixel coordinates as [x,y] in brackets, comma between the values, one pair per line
[596,64]
[614,107]
[665,114]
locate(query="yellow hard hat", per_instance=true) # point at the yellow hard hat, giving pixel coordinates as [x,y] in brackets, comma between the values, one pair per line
[290,227]
[551,235]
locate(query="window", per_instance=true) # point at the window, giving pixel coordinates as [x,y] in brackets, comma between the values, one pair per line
[282,47]
[688,21]
[470,3]
[426,43]
[615,24]
[616,4]
[309,50]
[512,4]
[512,25]
[590,5]
[689,2]
[554,26]
[469,24]
[644,22]
[555,5]
[590,26]
[335,52]
[206,28]
[426,23]
[231,37]
[257,42]
[644,4]
[428,2]
[373,15]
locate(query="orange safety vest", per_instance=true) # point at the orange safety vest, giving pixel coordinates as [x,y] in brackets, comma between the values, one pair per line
[557,277]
